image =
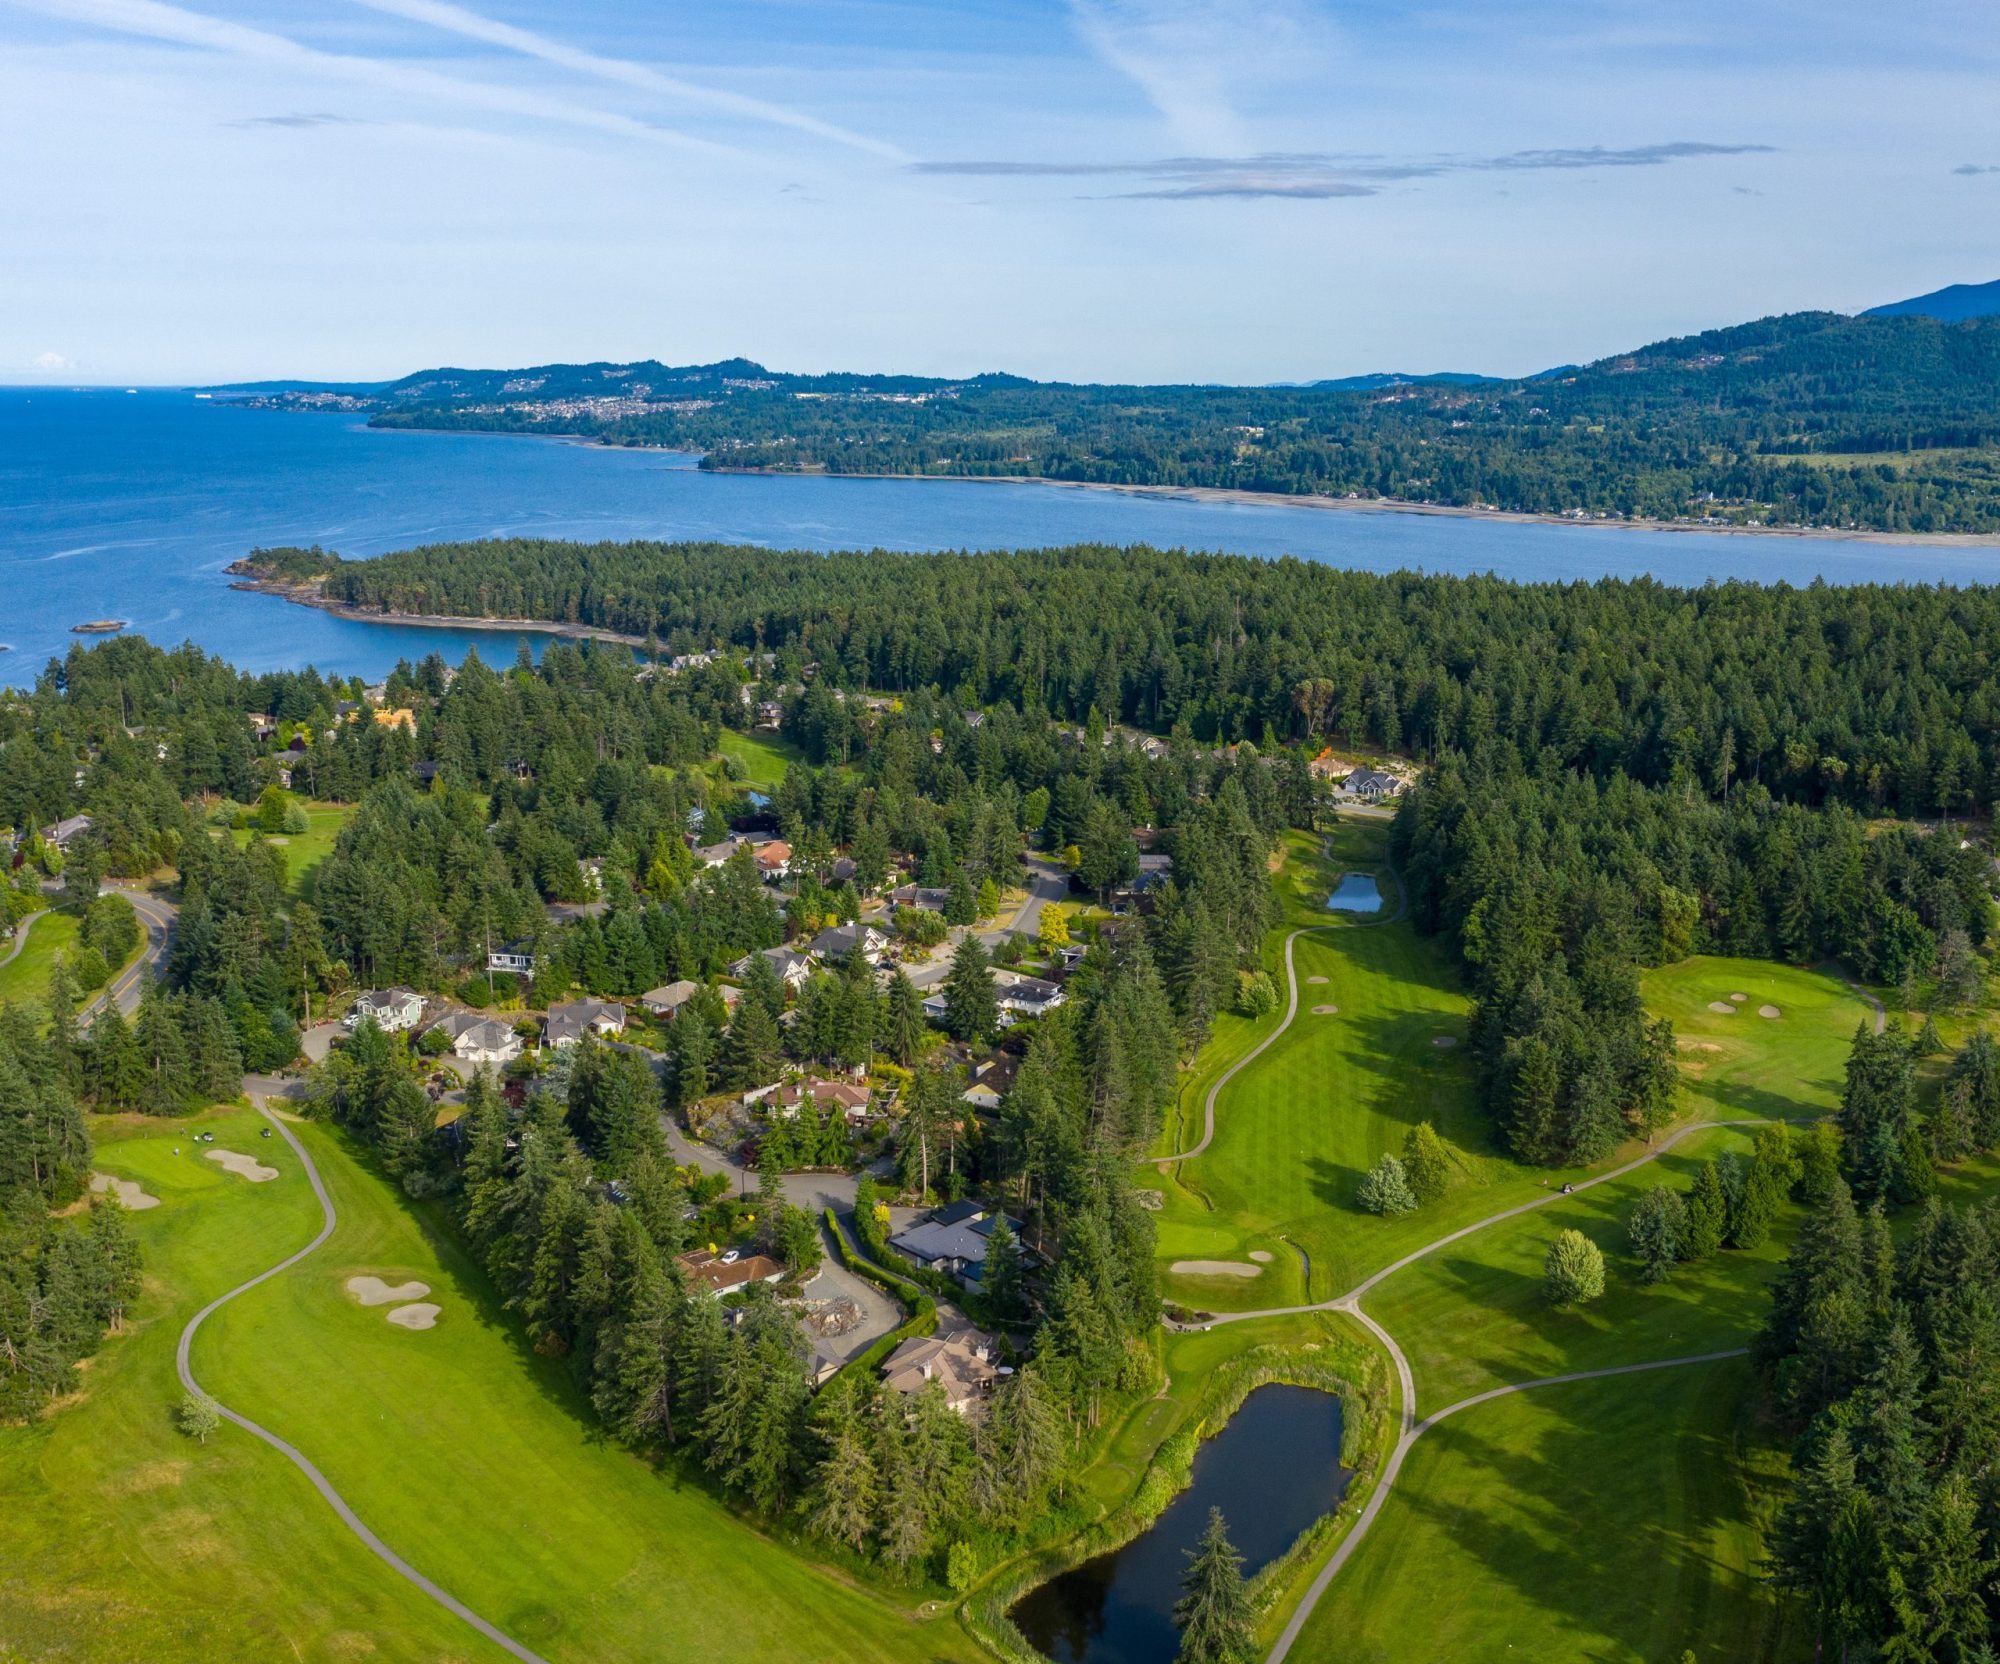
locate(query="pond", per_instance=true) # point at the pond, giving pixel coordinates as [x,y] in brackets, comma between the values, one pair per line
[1272,1470]
[1357,892]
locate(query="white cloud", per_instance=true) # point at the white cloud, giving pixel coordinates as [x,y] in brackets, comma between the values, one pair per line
[51,364]
[458,20]
[156,20]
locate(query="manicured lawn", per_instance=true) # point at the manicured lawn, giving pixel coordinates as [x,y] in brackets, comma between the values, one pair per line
[121,1539]
[764,756]
[303,851]
[464,1450]
[1743,1065]
[1473,1315]
[477,1459]
[26,978]
[1604,1520]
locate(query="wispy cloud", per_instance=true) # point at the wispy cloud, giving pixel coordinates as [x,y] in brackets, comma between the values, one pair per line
[1319,175]
[1970,168]
[470,25]
[304,118]
[156,20]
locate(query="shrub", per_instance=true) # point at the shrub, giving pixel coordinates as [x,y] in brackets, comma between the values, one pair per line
[1255,994]
[89,970]
[197,1417]
[1573,1273]
[1386,1189]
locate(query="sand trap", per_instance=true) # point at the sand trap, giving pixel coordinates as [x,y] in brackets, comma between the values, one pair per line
[1317,981]
[1325,1010]
[131,1196]
[1769,1011]
[1261,1255]
[1184,1268]
[372,1291]
[419,1316]
[1739,998]
[1687,1045]
[244,1167]
[1722,1008]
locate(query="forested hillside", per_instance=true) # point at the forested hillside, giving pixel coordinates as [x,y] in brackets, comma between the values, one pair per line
[1811,419]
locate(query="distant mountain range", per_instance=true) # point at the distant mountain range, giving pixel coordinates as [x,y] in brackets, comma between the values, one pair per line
[1888,421]
[1957,304]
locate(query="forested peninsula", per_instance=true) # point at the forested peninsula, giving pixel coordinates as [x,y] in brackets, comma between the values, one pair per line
[1809,420]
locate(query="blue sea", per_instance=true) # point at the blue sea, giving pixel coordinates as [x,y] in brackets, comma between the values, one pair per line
[129,505]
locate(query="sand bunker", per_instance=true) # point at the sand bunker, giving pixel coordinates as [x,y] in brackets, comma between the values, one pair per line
[419,1316]
[1317,981]
[1261,1255]
[1687,1045]
[244,1167]
[1739,998]
[1444,1042]
[1722,1008]
[1186,1268]
[131,1196]
[372,1291]
[1769,1011]
[1325,1010]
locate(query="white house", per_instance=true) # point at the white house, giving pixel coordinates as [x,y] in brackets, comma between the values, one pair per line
[1024,996]
[476,1039]
[394,1009]
[794,969]
[570,1022]
[515,958]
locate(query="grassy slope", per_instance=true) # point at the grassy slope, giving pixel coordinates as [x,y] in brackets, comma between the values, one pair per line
[764,756]
[479,1461]
[1605,1520]
[464,1451]
[26,977]
[1481,1512]
[121,1539]
[305,850]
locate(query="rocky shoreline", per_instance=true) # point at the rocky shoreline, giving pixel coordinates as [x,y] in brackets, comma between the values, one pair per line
[312,594]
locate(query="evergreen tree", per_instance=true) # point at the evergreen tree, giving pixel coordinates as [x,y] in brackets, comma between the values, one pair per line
[1385,1189]
[1707,1214]
[970,1014]
[903,1022]
[1658,1227]
[751,1050]
[1213,1613]
[1426,1163]
[1573,1271]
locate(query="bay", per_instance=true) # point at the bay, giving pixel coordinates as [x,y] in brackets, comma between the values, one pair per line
[117,505]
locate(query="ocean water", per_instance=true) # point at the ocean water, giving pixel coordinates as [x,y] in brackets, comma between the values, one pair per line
[117,505]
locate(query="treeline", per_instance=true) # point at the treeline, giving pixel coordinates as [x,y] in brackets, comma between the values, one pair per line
[63,1281]
[1720,424]
[1878,696]
[1557,889]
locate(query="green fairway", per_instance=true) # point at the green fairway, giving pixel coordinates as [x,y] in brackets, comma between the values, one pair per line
[25,978]
[1473,1315]
[122,1539]
[765,756]
[1738,1064]
[1613,1520]
[303,851]
[471,1456]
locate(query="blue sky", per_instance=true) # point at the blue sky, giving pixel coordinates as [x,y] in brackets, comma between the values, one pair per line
[1155,190]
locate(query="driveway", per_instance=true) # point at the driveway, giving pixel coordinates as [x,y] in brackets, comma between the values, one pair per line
[879,1314]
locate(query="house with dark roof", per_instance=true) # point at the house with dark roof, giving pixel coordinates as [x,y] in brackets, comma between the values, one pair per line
[951,1239]
[793,968]
[992,1079]
[1024,996]
[667,1000]
[842,939]
[1369,785]
[478,1039]
[569,1022]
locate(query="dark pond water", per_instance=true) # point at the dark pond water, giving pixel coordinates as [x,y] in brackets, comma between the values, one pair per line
[1273,1470]
[1356,893]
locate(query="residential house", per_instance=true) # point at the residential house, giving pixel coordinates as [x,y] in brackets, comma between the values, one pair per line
[1330,765]
[774,858]
[569,1022]
[730,1271]
[769,713]
[261,726]
[64,831]
[951,1239]
[793,968]
[1024,996]
[1369,785]
[843,939]
[959,1359]
[401,717]
[713,855]
[478,1039]
[992,1079]
[516,958]
[918,895]
[851,1098]
[393,1009]
[664,1002]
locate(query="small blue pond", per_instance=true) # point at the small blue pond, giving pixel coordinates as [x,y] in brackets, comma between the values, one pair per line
[1272,1470]
[1356,892]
